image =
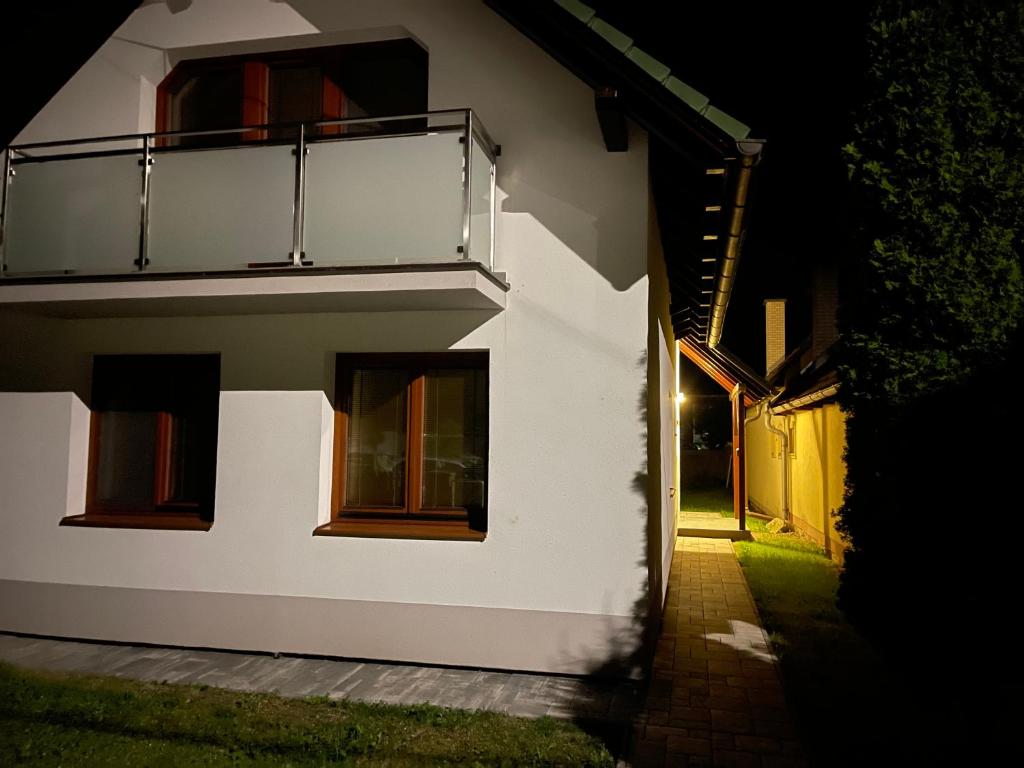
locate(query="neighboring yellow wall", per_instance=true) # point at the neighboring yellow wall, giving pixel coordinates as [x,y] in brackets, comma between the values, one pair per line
[817,439]
[764,478]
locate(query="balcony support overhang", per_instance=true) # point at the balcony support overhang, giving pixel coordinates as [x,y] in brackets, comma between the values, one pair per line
[455,286]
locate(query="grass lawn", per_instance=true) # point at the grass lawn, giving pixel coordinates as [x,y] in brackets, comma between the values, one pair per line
[715,499]
[837,687]
[51,719]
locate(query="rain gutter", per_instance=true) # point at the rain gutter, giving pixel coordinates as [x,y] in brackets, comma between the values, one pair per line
[750,156]
[784,464]
[805,400]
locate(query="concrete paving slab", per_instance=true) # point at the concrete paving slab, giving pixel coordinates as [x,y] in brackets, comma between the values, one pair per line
[519,694]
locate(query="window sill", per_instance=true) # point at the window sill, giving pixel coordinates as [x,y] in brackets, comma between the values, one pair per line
[433,530]
[172,522]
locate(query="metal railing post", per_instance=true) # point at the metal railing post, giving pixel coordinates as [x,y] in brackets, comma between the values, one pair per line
[299,203]
[147,163]
[3,213]
[490,252]
[467,191]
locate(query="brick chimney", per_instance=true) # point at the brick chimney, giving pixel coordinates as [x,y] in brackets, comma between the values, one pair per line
[774,333]
[824,305]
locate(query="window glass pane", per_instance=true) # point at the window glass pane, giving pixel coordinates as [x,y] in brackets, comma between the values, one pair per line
[157,418]
[186,444]
[295,96]
[375,466]
[385,78]
[209,100]
[126,455]
[454,438]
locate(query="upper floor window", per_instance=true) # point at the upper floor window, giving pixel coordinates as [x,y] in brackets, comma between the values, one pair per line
[327,83]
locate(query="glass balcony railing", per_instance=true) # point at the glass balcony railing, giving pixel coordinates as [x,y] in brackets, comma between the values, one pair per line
[413,189]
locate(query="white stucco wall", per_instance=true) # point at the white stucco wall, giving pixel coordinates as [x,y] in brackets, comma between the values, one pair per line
[268,501]
[668,434]
[565,429]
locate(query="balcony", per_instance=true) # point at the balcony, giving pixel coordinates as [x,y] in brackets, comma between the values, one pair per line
[362,214]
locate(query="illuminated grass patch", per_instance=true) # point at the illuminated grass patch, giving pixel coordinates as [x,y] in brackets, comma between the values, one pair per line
[49,719]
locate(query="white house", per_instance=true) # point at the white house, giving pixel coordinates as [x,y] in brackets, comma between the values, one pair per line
[379,388]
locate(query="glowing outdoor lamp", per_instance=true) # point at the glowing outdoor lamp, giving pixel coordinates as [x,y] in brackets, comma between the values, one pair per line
[680,398]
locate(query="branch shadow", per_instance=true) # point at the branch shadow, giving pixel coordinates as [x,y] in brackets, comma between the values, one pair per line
[612,692]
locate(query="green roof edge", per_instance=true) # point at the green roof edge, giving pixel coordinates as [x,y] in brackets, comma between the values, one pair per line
[690,95]
[725,121]
[581,11]
[656,69]
[648,64]
[618,39]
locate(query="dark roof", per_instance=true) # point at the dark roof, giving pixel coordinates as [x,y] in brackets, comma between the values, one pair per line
[660,72]
[817,376]
[789,365]
[604,56]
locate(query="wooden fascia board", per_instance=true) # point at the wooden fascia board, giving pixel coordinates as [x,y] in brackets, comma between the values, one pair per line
[723,378]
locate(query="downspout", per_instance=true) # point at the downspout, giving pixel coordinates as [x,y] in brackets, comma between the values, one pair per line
[756,416]
[748,420]
[784,438]
[750,154]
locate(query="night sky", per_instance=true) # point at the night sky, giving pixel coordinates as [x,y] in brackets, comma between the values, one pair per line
[795,88]
[44,45]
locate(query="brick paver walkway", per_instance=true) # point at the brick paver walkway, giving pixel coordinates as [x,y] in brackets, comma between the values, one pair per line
[715,696]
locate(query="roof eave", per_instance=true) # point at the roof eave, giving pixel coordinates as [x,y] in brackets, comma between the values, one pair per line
[650,103]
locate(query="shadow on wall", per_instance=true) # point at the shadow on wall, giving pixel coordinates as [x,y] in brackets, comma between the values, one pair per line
[258,353]
[595,237]
[613,694]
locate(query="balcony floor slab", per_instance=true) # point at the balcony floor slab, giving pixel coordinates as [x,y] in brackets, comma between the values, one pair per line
[419,287]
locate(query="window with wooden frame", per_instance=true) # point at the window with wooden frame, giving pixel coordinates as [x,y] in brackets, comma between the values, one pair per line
[306,85]
[152,442]
[410,446]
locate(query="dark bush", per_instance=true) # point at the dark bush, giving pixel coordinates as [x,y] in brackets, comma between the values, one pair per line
[933,296]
